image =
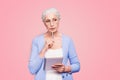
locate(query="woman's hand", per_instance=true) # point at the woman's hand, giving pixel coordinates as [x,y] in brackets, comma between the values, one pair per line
[48,44]
[59,67]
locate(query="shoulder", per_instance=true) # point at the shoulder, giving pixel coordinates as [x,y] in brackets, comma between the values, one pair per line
[38,38]
[67,38]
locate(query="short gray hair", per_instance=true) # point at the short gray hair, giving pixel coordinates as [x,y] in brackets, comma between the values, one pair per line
[50,10]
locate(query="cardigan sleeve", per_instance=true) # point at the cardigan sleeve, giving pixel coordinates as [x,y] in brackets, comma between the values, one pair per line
[74,62]
[35,61]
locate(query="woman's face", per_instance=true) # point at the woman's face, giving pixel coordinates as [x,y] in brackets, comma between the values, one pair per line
[51,22]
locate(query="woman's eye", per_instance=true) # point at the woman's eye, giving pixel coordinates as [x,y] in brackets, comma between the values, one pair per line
[47,21]
[55,19]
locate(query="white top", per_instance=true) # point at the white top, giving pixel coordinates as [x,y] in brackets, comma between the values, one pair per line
[53,53]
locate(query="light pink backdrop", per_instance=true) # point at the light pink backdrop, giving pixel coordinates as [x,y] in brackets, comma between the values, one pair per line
[94,26]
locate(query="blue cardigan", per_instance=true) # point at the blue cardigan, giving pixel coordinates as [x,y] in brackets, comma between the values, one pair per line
[36,63]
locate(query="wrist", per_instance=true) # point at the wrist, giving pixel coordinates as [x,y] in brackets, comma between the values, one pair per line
[67,69]
[42,53]
[44,49]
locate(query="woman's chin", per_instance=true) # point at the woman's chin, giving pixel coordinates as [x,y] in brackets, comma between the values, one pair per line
[53,31]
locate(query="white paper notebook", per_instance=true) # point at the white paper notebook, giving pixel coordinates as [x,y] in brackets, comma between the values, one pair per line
[51,61]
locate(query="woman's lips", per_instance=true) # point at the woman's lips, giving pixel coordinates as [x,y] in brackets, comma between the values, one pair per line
[52,28]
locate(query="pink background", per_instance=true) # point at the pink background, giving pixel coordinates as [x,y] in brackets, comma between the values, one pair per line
[94,26]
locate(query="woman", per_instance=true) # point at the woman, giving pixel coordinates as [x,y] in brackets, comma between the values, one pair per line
[55,41]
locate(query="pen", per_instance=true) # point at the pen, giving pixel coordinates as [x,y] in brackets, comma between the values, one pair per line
[52,35]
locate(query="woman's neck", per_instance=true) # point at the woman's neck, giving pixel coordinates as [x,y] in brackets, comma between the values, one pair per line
[55,34]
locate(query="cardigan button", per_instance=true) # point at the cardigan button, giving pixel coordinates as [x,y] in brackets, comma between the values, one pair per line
[62,76]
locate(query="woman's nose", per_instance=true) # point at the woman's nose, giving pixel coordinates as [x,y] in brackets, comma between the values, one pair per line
[51,23]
